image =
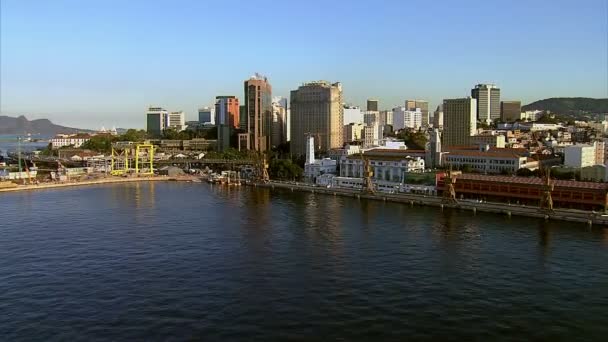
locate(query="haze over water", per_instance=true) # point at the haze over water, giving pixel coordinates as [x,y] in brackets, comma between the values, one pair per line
[182,261]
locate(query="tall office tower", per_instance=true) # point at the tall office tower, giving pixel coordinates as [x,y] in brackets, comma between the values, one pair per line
[488,102]
[279,120]
[433,150]
[372,105]
[316,108]
[258,105]
[424,109]
[205,114]
[403,118]
[177,121]
[510,110]
[226,119]
[459,121]
[352,114]
[438,117]
[242,117]
[372,118]
[386,116]
[157,120]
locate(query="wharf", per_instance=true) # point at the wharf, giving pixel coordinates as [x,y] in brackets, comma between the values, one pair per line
[572,215]
[108,180]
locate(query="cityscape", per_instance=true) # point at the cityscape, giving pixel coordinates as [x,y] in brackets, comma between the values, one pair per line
[313,203]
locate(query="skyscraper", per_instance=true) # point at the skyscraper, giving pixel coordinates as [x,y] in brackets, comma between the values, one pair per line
[316,108]
[510,110]
[488,102]
[411,105]
[258,106]
[372,105]
[226,119]
[459,121]
[157,120]
[438,117]
[279,120]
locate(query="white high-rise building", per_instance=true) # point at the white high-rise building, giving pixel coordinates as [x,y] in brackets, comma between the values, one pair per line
[353,132]
[352,114]
[488,102]
[371,136]
[403,118]
[279,120]
[177,120]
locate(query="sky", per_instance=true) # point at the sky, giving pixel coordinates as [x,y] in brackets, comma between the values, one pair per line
[100,63]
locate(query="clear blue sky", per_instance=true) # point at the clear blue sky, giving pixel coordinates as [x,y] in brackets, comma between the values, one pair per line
[93,63]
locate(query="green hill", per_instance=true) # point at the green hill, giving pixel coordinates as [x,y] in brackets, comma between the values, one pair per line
[570,105]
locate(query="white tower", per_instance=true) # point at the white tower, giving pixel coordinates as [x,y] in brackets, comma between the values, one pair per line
[310,149]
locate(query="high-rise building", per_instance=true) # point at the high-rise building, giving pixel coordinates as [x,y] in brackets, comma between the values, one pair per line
[353,132]
[226,119]
[459,121]
[372,105]
[157,120]
[386,117]
[438,117]
[433,150]
[488,102]
[205,114]
[510,110]
[243,117]
[177,121]
[279,121]
[370,135]
[258,105]
[403,118]
[411,105]
[352,114]
[316,108]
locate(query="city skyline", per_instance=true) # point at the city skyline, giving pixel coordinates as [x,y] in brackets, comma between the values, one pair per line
[114,65]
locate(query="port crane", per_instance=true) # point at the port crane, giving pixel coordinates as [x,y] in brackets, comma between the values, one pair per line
[546,200]
[368,173]
[449,192]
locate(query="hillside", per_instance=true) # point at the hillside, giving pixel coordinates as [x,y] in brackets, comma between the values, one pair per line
[21,125]
[570,105]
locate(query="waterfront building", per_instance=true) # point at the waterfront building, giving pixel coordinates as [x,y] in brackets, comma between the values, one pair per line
[488,102]
[438,118]
[372,105]
[73,140]
[205,115]
[177,121]
[411,105]
[510,110]
[387,164]
[313,167]
[527,190]
[459,121]
[258,106]
[490,160]
[404,118]
[353,132]
[316,108]
[279,121]
[226,119]
[157,120]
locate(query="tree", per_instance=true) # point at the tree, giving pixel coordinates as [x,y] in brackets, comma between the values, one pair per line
[284,169]
[134,135]
[99,143]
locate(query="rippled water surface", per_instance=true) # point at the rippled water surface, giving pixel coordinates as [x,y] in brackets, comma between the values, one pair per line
[190,261]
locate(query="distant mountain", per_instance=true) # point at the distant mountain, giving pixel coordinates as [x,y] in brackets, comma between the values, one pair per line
[21,125]
[570,105]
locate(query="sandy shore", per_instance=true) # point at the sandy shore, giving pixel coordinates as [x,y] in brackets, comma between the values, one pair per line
[109,180]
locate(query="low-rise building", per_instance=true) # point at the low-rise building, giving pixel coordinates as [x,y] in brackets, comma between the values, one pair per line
[388,165]
[490,161]
[580,156]
[72,140]
[492,140]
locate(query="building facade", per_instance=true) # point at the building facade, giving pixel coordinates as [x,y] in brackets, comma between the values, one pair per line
[279,121]
[403,118]
[488,102]
[353,132]
[157,120]
[459,121]
[510,111]
[438,118]
[579,156]
[372,105]
[391,166]
[316,108]
[226,119]
[491,161]
[411,105]
[177,121]
[352,114]
[205,115]
[258,106]
[74,140]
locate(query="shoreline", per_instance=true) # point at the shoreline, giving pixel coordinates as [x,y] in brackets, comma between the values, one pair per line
[569,215]
[85,183]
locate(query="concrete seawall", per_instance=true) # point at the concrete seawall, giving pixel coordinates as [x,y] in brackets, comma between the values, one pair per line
[83,183]
[571,215]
